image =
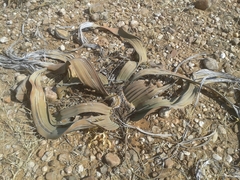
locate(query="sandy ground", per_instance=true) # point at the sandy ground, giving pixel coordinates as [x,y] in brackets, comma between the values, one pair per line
[207,139]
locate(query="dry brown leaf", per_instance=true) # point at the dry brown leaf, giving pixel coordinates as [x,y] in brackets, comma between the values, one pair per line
[127,71]
[87,75]
[188,96]
[129,68]
[93,107]
[48,127]
[103,78]
[138,91]
[131,39]
[21,90]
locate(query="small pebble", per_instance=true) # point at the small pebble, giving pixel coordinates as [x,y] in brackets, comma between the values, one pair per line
[164,112]
[120,24]
[68,169]
[44,169]
[181,156]
[3,40]
[201,123]
[236,129]
[89,178]
[53,175]
[47,156]
[104,16]
[215,137]
[229,158]
[217,157]
[230,151]
[7,99]
[222,55]
[98,174]
[45,21]
[169,163]
[63,158]
[92,158]
[235,41]
[150,139]
[35,168]
[144,11]
[99,156]
[222,130]
[96,8]
[62,12]
[95,17]
[186,153]
[71,178]
[134,156]
[112,160]
[210,63]
[10,22]
[236,34]
[104,169]
[62,34]
[54,163]
[156,129]
[30,164]
[80,168]
[134,24]
[219,150]
[41,177]
[191,65]
[153,174]
[40,153]
[43,142]
[62,47]
[102,41]
[203,4]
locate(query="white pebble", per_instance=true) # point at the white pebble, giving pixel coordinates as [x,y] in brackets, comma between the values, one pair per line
[68,170]
[229,158]
[222,55]
[215,137]
[3,40]
[120,23]
[47,156]
[186,153]
[62,47]
[160,36]
[30,164]
[44,169]
[222,130]
[217,157]
[80,169]
[9,22]
[92,158]
[99,174]
[196,120]
[150,139]
[134,24]
[201,123]
[62,12]
[191,65]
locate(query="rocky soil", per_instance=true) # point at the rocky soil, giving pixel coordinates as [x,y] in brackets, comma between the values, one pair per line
[206,141]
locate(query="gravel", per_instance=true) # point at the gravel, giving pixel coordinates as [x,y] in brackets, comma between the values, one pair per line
[171,31]
[112,159]
[211,64]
